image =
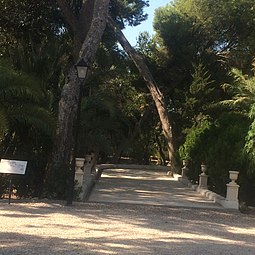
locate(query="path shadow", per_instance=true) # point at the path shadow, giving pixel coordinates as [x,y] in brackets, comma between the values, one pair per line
[129,229]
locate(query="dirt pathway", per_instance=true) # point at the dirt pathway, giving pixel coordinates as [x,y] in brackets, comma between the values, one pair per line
[122,229]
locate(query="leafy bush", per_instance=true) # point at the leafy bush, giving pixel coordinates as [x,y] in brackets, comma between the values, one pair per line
[193,149]
[220,146]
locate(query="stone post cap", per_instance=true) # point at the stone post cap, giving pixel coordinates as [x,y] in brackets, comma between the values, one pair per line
[234,172]
[232,184]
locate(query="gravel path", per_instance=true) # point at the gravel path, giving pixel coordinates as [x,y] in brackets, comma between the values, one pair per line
[96,228]
[136,186]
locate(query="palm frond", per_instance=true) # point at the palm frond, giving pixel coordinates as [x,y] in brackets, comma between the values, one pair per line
[18,85]
[35,117]
[242,91]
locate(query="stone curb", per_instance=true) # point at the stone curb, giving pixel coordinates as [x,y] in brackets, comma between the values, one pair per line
[209,194]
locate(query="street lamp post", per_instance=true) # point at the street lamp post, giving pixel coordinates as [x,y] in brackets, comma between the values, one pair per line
[82,68]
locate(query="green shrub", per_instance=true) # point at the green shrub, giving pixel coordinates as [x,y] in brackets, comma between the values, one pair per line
[220,146]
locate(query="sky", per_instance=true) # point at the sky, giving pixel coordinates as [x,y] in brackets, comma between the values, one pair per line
[133,32]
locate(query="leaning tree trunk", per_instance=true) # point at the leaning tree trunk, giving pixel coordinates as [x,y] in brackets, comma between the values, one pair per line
[156,94]
[64,154]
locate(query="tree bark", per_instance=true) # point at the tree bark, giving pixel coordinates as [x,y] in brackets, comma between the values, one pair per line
[161,152]
[156,94]
[68,106]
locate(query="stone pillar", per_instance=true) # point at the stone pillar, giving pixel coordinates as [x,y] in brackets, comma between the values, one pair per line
[79,163]
[88,165]
[184,168]
[88,178]
[203,178]
[93,162]
[232,191]
[184,178]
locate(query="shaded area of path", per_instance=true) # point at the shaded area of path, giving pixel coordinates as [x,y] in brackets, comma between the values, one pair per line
[123,229]
[146,187]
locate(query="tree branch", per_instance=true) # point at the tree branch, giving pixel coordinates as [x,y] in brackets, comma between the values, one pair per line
[86,16]
[94,36]
[69,16]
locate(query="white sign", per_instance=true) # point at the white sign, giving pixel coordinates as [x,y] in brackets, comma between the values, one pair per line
[13,166]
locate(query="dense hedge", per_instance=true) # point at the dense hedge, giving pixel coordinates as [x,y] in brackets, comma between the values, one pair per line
[219,145]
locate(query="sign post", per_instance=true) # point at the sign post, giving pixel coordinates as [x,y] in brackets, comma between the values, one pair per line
[12,167]
[10,190]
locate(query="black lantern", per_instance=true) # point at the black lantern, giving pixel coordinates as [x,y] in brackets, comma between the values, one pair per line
[82,68]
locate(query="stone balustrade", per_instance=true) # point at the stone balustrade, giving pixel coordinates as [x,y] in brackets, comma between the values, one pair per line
[83,175]
[231,200]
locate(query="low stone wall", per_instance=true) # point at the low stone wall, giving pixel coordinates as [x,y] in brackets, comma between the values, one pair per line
[231,201]
[208,193]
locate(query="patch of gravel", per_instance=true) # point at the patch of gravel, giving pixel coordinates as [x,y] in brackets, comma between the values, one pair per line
[48,227]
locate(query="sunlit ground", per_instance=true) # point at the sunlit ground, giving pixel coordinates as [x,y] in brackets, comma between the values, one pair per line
[94,228]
